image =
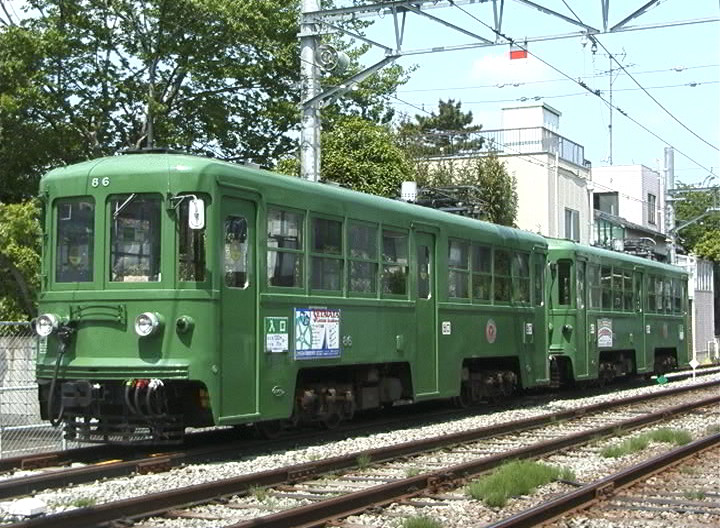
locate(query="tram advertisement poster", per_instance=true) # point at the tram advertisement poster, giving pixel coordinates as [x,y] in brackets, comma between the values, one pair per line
[317,333]
[604,333]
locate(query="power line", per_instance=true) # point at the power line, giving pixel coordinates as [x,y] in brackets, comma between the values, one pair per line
[545,81]
[597,93]
[668,112]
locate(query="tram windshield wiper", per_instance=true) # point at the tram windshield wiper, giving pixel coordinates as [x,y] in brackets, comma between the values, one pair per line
[122,206]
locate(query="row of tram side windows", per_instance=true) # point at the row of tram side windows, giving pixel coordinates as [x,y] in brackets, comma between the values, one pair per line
[666,295]
[75,241]
[376,259]
[135,238]
[611,288]
[489,274]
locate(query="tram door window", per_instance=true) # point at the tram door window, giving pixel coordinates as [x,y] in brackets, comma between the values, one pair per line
[580,276]
[75,240]
[539,274]
[564,268]
[235,254]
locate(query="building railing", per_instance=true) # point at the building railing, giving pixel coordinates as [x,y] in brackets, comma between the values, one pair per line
[535,140]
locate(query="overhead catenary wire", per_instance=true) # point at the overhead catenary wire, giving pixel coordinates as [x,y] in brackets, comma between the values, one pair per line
[596,92]
[614,59]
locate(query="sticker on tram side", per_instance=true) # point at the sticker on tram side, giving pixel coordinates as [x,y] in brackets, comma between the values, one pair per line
[446,328]
[317,333]
[277,334]
[604,333]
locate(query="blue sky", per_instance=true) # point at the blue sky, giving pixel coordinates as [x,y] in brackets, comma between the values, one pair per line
[667,62]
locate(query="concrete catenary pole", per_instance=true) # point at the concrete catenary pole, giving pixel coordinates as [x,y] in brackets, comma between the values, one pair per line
[669,203]
[309,78]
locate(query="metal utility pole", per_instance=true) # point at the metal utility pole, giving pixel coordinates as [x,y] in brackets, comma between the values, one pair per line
[309,77]
[669,203]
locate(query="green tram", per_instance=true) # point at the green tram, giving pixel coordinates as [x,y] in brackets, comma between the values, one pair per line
[611,314]
[181,291]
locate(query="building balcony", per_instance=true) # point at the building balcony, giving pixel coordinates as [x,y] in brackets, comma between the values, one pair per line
[509,142]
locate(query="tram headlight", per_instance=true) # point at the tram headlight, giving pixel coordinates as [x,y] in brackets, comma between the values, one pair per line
[147,323]
[46,324]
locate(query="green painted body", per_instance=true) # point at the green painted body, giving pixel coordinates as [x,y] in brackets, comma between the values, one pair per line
[230,352]
[582,330]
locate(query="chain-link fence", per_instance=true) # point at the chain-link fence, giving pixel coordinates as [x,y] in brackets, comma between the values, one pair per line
[21,429]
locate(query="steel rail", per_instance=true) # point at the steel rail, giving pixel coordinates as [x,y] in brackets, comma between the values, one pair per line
[603,488]
[157,503]
[15,487]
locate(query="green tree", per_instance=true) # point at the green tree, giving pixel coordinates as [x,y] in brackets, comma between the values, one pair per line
[87,78]
[445,133]
[360,155]
[19,260]
[703,236]
[484,181]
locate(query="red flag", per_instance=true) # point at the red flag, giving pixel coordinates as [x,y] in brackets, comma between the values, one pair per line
[518,53]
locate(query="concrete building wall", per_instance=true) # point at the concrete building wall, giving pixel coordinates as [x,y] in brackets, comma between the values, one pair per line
[633,183]
[702,294]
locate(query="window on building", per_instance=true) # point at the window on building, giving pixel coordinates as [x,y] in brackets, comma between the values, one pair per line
[572,224]
[651,209]
[285,248]
[459,266]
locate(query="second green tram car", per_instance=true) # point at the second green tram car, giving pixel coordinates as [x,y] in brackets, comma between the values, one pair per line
[181,291]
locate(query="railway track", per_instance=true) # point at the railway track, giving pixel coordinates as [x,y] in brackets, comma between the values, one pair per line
[467,458]
[77,466]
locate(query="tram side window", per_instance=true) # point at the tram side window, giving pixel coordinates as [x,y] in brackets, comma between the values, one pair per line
[677,296]
[482,272]
[521,277]
[651,294]
[627,291]
[135,238]
[617,289]
[235,254]
[191,246]
[459,269]
[659,295]
[501,275]
[285,248]
[595,286]
[667,294]
[580,285]
[362,240]
[326,241]
[539,277]
[395,262]
[75,222]
[606,286]
[563,281]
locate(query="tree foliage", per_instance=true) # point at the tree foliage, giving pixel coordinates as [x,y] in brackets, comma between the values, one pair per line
[703,236]
[19,260]
[360,155]
[87,78]
[445,133]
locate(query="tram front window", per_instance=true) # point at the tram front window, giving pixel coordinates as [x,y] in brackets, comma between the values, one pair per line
[75,240]
[135,238]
